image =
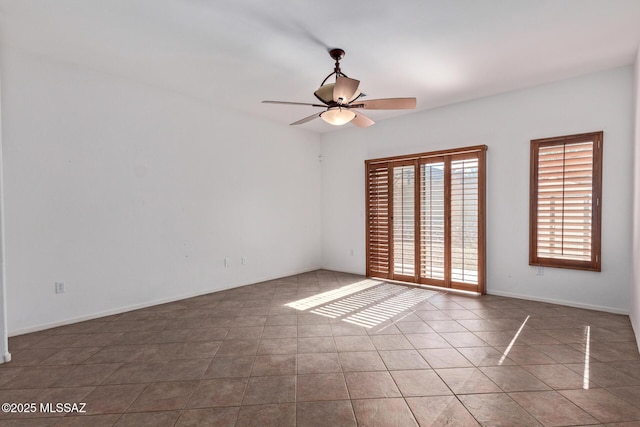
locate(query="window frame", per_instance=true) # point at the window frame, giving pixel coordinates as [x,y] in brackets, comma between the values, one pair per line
[594,264]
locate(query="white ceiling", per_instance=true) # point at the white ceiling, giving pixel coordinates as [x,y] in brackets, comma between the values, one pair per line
[238,52]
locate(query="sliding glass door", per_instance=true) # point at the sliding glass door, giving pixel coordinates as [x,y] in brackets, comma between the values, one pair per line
[425,218]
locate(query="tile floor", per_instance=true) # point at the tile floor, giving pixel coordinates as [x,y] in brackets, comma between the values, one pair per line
[332,349]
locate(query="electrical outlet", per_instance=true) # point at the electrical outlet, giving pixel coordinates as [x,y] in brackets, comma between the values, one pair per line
[243,260]
[540,271]
[59,287]
[227,262]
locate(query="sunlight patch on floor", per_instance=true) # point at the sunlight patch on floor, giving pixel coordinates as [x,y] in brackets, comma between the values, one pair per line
[585,375]
[367,303]
[325,297]
[356,302]
[378,313]
[513,341]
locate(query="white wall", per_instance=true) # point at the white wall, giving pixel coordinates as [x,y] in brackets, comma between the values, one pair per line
[132,195]
[505,123]
[635,285]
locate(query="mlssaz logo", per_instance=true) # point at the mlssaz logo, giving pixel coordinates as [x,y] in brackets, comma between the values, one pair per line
[63,407]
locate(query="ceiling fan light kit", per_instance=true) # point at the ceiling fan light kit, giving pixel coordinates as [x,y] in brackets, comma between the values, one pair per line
[339,99]
[337,116]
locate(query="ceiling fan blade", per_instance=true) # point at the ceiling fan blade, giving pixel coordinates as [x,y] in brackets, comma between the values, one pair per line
[387,104]
[345,89]
[361,120]
[305,120]
[294,103]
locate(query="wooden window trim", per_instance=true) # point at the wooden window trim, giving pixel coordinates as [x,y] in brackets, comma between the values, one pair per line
[427,155]
[594,264]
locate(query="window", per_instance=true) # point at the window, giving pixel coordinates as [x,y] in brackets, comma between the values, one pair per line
[565,202]
[425,218]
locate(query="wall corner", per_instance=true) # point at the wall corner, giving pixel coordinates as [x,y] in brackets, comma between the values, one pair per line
[635,274]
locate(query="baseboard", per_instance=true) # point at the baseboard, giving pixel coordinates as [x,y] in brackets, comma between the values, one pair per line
[559,302]
[132,307]
[339,270]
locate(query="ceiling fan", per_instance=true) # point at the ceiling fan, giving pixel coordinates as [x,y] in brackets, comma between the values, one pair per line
[342,99]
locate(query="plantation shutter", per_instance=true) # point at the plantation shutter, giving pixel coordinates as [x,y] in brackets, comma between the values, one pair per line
[432,221]
[378,221]
[404,236]
[464,219]
[565,230]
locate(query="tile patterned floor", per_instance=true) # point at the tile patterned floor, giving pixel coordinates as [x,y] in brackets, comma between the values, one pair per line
[332,349]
